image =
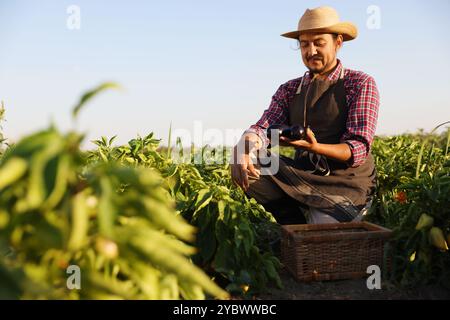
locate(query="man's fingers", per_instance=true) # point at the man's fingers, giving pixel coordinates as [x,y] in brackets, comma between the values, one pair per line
[311,136]
[244,179]
[293,143]
[241,170]
[253,171]
[237,176]
[244,176]
[234,175]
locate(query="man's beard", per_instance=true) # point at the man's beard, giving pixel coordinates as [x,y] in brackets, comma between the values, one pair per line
[316,70]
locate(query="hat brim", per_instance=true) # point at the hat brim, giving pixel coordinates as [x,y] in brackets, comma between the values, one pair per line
[347,29]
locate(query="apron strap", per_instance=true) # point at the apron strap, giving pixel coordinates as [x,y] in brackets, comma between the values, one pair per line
[321,166]
[299,88]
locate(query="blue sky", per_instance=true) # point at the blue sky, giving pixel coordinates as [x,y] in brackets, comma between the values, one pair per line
[209,61]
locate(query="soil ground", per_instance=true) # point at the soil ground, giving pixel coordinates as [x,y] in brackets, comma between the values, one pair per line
[355,289]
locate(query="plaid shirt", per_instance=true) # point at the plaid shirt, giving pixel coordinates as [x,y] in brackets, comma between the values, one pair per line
[363,101]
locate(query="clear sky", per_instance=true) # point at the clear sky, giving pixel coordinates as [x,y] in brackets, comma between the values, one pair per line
[218,62]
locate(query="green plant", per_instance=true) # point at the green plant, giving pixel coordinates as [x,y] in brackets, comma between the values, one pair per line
[2,119]
[117,223]
[233,230]
[413,191]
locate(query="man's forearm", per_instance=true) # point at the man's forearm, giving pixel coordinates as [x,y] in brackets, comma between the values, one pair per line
[340,152]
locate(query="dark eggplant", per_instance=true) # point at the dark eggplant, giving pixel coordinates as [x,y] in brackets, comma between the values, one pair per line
[295,132]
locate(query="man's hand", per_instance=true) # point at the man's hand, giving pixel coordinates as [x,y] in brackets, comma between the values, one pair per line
[309,144]
[340,152]
[242,164]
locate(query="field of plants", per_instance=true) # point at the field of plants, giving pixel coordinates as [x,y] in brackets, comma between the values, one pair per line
[140,224]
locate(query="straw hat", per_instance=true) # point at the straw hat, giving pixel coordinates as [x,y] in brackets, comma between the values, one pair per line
[323,20]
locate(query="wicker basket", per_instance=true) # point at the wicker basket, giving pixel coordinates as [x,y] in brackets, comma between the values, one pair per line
[332,251]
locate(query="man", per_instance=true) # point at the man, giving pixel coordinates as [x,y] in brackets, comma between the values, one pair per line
[333,174]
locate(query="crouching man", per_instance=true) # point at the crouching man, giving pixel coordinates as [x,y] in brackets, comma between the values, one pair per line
[332,177]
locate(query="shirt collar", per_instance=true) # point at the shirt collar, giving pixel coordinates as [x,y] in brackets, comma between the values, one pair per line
[333,76]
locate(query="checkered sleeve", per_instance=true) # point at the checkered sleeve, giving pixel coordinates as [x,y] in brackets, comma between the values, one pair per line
[362,121]
[277,113]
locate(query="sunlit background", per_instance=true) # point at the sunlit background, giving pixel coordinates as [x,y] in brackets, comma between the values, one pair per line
[214,62]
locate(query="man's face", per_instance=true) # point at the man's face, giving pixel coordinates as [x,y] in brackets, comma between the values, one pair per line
[319,50]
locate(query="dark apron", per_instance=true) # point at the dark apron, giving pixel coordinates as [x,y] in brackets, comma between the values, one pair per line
[331,186]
